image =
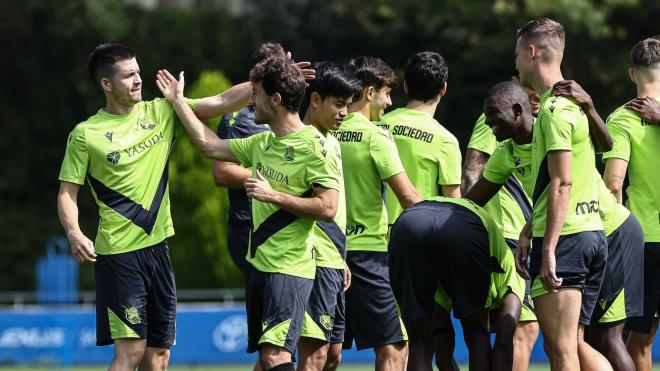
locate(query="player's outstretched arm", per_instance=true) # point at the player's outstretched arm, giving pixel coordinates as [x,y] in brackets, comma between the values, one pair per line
[615,174]
[403,189]
[322,206]
[67,208]
[475,162]
[202,136]
[228,101]
[483,191]
[559,168]
[599,134]
[647,108]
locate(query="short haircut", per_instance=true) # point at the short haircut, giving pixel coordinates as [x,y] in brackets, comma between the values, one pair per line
[426,73]
[102,60]
[277,74]
[646,53]
[267,50]
[513,92]
[333,79]
[544,33]
[374,72]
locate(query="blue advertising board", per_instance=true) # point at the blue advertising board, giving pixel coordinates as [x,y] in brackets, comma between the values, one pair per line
[206,334]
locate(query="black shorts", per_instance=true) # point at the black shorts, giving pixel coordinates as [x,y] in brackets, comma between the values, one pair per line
[275,306]
[580,260]
[624,275]
[435,242]
[136,297]
[651,290]
[372,317]
[238,239]
[325,315]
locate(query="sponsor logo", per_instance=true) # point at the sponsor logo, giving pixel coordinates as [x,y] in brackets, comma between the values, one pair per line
[352,230]
[326,321]
[113,157]
[32,337]
[272,174]
[230,335]
[586,207]
[145,145]
[288,154]
[132,315]
[347,136]
[108,135]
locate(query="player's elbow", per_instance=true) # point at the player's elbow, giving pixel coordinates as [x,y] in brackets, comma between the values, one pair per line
[327,214]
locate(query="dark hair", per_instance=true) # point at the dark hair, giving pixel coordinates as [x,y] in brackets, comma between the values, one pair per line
[332,79]
[509,90]
[646,52]
[426,73]
[374,72]
[267,50]
[280,75]
[544,32]
[103,58]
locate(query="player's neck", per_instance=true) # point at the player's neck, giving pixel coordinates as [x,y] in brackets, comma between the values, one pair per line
[116,108]
[310,120]
[524,134]
[546,77]
[426,107]
[286,123]
[649,89]
[362,106]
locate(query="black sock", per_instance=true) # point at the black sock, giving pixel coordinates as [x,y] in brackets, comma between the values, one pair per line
[284,367]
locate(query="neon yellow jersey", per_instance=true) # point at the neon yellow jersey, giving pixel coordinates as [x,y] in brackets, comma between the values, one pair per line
[429,153]
[281,242]
[612,213]
[369,156]
[562,126]
[503,281]
[330,240]
[509,164]
[124,158]
[637,142]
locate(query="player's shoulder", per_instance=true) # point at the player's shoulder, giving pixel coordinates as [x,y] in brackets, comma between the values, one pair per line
[623,116]
[564,109]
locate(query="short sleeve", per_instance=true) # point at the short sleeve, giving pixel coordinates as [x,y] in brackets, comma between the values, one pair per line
[449,159]
[167,113]
[558,123]
[385,155]
[323,168]
[76,158]
[619,129]
[482,138]
[243,148]
[498,168]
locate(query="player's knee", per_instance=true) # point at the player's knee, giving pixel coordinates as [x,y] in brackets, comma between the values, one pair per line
[332,361]
[129,352]
[641,341]
[155,359]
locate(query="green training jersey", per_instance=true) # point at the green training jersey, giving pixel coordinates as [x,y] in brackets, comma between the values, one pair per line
[429,153]
[503,280]
[637,142]
[281,242]
[612,213]
[369,156]
[510,207]
[562,126]
[124,158]
[329,237]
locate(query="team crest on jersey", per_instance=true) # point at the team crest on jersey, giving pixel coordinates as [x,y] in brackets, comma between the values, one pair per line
[288,153]
[147,124]
[113,157]
[326,321]
[132,315]
[108,135]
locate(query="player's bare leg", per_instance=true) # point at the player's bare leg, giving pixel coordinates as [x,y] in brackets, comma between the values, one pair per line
[271,356]
[444,339]
[590,358]
[391,357]
[420,344]
[334,357]
[128,354]
[505,327]
[607,338]
[312,354]
[477,339]
[639,345]
[155,359]
[558,314]
[523,342]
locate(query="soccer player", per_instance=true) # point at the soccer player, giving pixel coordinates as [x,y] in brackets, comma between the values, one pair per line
[429,244]
[240,124]
[293,184]
[570,252]
[123,152]
[327,99]
[635,143]
[370,162]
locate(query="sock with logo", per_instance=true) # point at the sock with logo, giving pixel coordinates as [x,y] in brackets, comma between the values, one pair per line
[284,367]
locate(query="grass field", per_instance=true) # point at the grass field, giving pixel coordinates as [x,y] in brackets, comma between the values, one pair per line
[537,367]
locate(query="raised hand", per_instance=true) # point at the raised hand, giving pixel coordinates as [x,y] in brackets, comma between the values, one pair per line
[573,91]
[169,86]
[647,108]
[82,248]
[309,73]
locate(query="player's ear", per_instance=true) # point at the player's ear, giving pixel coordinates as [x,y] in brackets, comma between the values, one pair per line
[405,86]
[315,99]
[633,76]
[106,84]
[276,98]
[369,93]
[533,51]
[443,89]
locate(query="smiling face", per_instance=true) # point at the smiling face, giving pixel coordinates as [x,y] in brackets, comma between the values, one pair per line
[262,103]
[125,84]
[329,112]
[501,117]
[380,101]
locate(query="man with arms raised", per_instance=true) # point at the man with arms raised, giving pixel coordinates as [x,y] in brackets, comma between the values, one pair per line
[123,153]
[371,161]
[293,184]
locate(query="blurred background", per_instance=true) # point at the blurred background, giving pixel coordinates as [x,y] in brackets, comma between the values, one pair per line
[45,91]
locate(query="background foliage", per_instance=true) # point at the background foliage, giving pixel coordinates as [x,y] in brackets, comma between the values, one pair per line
[45,89]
